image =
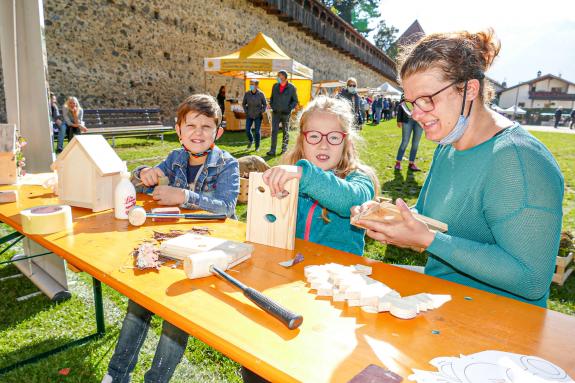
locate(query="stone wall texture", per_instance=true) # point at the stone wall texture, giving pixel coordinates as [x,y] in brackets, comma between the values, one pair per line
[149,53]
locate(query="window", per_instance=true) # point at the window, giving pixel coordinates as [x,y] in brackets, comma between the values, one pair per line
[557,90]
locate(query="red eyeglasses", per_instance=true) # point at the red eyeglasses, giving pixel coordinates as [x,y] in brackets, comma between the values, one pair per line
[313,137]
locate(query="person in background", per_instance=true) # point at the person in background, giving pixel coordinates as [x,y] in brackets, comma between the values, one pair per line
[73,115]
[221,98]
[558,114]
[386,109]
[349,93]
[58,126]
[254,104]
[376,109]
[282,101]
[572,119]
[408,127]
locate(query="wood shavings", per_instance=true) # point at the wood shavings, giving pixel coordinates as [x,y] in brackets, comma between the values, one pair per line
[147,256]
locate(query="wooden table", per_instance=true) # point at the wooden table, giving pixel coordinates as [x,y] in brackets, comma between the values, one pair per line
[334,342]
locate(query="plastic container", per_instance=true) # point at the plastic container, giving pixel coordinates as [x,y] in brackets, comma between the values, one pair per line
[124,196]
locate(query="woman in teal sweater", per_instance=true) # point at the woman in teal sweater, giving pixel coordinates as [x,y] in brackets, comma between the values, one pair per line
[332,178]
[496,186]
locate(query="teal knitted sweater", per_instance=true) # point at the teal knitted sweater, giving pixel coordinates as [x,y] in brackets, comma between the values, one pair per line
[338,196]
[502,200]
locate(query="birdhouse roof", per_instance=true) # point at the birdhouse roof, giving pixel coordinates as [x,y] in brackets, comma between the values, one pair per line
[99,152]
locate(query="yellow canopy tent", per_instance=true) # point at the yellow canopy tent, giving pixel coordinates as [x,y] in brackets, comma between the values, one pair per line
[261,59]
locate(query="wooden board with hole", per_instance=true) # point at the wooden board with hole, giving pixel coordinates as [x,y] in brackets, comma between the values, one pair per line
[271,220]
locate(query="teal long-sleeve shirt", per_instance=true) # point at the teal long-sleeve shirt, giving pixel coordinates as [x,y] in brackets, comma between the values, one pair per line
[338,196]
[502,201]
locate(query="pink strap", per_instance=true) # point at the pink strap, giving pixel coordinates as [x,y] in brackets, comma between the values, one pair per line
[308,221]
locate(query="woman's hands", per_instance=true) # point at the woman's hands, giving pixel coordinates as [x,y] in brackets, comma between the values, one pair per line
[277,177]
[151,176]
[406,232]
[169,195]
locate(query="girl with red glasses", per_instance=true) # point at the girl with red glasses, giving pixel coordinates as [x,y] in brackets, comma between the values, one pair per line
[332,178]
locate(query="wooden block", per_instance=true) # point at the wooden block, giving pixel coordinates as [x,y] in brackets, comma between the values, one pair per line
[386,211]
[8,196]
[184,245]
[561,271]
[403,309]
[271,221]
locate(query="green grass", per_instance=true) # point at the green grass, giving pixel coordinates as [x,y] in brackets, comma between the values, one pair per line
[38,324]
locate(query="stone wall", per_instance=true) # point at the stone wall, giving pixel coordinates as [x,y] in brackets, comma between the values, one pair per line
[138,53]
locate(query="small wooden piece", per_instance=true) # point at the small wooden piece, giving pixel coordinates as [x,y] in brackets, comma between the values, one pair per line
[184,245]
[271,220]
[8,196]
[8,166]
[387,211]
[561,270]
[88,171]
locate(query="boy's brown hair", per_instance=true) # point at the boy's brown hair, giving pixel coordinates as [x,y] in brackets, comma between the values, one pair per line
[203,104]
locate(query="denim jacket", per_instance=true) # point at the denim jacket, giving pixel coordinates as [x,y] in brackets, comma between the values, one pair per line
[217,185]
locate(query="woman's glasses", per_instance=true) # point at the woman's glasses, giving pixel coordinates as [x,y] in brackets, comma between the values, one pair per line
[424,103]
[313,137]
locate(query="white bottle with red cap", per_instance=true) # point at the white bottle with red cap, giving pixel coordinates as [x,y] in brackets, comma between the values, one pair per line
[124,195]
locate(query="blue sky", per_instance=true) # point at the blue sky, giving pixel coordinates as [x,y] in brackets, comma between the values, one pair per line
[535,35]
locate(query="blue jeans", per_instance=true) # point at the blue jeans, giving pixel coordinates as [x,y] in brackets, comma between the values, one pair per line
[258,124]
[408,128]
[61,134]
[169,352]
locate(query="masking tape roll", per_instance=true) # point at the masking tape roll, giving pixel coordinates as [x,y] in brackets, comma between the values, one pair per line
[46,219]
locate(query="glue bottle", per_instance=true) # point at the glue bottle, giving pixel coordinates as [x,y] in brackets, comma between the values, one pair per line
[124,196]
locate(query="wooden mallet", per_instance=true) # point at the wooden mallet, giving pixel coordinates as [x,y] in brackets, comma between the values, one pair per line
[137,216]
[289,319]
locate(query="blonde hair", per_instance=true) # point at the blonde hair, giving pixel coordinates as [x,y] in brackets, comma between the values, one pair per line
[349,161]
[460,55]
[71,98]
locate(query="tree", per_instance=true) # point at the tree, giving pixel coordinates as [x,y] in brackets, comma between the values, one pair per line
[356,12]
[385,39]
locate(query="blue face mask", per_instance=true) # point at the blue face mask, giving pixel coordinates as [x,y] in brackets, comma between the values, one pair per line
[252,88]
[461,126]
[351,89]
[279,80]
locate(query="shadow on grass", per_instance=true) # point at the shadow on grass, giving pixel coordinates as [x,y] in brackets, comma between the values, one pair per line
[14,312]
[400,187]
[85,362]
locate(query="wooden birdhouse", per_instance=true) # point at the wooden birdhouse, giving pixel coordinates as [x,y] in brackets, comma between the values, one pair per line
[8,170]
[88,171]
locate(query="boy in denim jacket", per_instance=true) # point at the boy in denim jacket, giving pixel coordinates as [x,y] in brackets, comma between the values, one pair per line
[201,176]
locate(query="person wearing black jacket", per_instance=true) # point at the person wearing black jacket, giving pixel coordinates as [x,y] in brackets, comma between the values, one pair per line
[349,93]
[283,101]
[254,104]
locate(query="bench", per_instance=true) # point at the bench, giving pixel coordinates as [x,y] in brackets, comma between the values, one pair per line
[125,123]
